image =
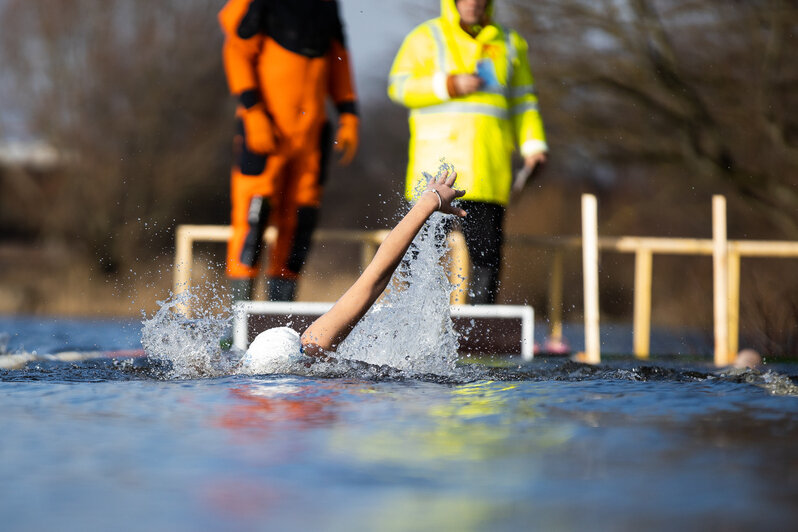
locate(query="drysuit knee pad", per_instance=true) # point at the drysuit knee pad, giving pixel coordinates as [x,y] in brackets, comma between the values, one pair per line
[307,219]
[257,218]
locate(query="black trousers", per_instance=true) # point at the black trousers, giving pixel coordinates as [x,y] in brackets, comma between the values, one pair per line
[483,230]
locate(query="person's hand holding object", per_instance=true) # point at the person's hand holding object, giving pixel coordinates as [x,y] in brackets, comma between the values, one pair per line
[531,162]
[463,84]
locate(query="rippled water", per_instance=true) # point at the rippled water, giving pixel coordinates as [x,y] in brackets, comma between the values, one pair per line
[553,445]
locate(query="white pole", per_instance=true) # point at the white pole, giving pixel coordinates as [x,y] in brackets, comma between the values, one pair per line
[720,263]
[590,277]
[240,325]
[527,325]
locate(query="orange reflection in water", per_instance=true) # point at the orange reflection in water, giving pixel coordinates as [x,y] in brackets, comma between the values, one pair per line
[261,409]
[265,421]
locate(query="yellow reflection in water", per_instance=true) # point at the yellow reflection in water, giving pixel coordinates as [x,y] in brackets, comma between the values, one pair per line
[495,438]
[420,511]
[480,421]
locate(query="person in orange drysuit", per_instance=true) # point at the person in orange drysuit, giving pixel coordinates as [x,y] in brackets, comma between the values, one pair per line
[282,61]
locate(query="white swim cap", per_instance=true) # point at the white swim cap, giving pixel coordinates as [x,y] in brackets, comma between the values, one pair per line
[272,351]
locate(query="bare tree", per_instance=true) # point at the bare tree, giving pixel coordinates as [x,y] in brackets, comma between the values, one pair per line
[135,97]
[703,92]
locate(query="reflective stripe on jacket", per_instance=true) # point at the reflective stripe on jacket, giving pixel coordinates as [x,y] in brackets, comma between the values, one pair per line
[476,133]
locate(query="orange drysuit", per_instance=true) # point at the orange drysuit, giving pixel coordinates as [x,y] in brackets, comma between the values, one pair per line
[282,60]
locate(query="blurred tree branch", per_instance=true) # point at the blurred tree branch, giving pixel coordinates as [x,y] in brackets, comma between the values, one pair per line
[707,83]
[136,97]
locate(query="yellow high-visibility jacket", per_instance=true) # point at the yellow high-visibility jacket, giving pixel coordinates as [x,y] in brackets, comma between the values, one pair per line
[476,133]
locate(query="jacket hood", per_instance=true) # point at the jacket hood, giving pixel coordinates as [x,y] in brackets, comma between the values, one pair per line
[450,14]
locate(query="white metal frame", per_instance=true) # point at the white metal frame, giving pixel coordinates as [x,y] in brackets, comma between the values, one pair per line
[243,309]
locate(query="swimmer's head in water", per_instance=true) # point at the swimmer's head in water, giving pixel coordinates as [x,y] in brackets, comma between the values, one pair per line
[272,351]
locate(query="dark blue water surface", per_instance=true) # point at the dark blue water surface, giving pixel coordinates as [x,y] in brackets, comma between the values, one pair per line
[111,444]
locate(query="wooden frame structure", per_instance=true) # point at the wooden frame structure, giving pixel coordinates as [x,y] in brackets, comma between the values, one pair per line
[726,255]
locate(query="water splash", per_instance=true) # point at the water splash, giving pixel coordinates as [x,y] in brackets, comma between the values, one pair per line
[409,330]
[771,381]
[411,327]
[191,345]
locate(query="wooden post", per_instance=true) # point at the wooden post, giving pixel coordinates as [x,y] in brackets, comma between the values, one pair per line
[720,262]
[555,296]
[590,278]
[184,259]
[642,304]
[458,269]
[734,304]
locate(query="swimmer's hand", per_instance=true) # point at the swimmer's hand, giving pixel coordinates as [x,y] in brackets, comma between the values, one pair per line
[440,189]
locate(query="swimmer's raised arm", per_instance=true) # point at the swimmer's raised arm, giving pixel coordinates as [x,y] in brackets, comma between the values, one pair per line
[330,329]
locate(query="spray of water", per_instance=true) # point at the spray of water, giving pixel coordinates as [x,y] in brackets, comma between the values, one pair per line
[411,327]
[191,346]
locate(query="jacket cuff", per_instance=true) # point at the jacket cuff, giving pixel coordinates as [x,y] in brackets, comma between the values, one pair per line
[439,86]
[249,98]
[533,147]
[349,106]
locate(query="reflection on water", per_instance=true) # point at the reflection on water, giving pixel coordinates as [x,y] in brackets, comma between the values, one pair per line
[605,450]
[259,410]
[108,444]
[472,422]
